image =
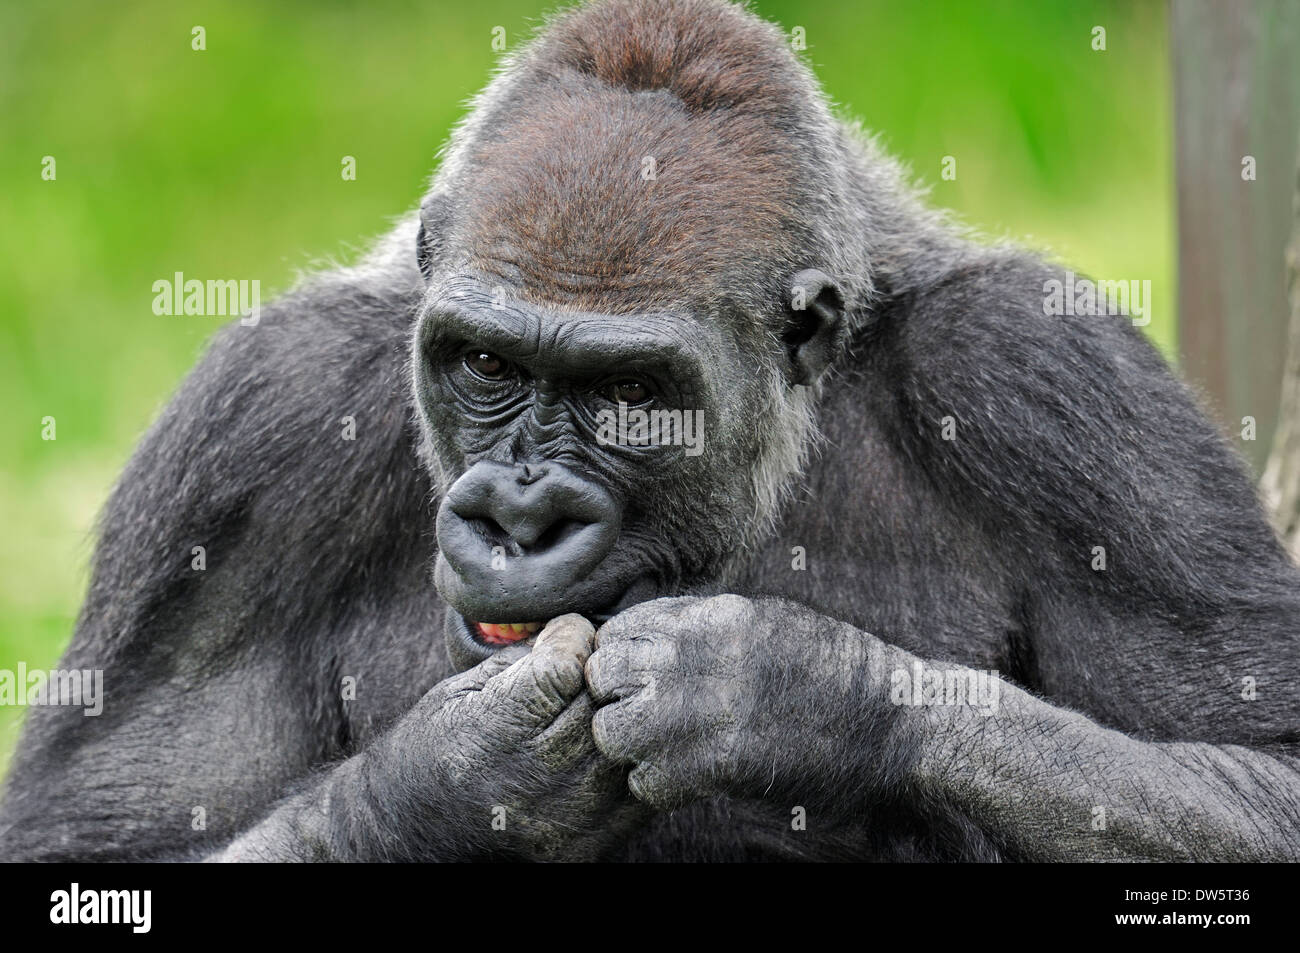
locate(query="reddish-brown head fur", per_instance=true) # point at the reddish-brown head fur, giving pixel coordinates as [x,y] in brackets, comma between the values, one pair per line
[647,154]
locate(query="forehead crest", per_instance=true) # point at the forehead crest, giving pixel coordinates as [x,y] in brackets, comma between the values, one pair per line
[641,154]
[619,192]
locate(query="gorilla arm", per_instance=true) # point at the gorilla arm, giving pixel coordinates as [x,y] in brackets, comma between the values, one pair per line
[222,679]
[706,697]
[1074,437]
[480,739]
[1050,784]
[1070,435]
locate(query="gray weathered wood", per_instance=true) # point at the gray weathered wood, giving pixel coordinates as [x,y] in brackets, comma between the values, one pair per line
[1280,484]
[1236,94]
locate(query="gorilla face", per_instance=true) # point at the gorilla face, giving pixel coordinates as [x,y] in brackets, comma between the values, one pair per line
[547,508]
[588,462]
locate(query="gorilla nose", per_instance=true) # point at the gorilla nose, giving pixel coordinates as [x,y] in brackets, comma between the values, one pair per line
[538,508]
[519,536]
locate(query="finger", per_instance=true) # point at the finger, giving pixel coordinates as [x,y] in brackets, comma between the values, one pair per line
[643,619]
[606,672]
[656,787]
[565,630]
[475,678]
[497,662]
[614,629]
[615,672]
[627,668]
[539,686]
[568,739]
[570,632]
[622,732]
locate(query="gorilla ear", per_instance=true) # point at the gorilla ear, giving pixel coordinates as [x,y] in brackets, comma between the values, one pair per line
[428,241]
[814,326]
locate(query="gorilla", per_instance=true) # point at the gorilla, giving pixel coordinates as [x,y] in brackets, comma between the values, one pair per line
[676,485]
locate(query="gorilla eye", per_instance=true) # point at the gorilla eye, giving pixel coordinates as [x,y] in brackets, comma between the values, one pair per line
[627,391]
[487,366]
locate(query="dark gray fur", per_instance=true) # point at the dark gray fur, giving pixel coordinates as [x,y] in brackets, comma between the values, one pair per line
[1121,689]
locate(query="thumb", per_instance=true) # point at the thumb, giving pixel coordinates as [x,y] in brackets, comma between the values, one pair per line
[543,682]
[474,679]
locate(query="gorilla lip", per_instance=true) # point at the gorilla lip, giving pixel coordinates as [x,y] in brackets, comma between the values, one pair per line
[503,633]
[498,634]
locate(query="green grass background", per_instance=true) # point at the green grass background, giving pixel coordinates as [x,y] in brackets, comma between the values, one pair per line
[225,163]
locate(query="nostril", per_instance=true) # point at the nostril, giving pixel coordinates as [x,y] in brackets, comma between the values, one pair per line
[530,473]
[526,536]
[560,521]
[538,534]
[491,530]
[556,535]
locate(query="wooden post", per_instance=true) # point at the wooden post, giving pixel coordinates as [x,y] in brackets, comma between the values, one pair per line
[1280,485]
[1237,116]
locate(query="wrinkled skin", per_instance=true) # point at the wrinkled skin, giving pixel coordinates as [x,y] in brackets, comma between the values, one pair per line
[524,713]
[350,676]
[705,697]
[765,699]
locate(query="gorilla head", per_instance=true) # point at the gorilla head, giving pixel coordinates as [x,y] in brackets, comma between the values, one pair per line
[611,234]
[651,260]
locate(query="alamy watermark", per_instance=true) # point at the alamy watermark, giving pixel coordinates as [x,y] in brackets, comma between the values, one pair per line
[634,427]
[79,687]
[1083,296]
[920,685]
[212,297]
[75,905]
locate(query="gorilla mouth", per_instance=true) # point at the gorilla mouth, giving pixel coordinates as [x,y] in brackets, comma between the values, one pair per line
[497,635]
[504,633]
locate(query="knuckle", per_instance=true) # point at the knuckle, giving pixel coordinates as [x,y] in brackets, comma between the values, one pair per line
[650,785]
[605,732]
[597,673]
[607,669]
[627,670]
[612,631]
[569,632]
[557,677]
[619,732]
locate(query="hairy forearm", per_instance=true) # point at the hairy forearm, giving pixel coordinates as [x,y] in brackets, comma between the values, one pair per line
[824,733]
[297,829]
[380,805]
[1040,782]
[1049,784]
[495,763]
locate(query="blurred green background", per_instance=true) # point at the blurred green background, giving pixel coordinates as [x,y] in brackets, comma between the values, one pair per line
[225,163]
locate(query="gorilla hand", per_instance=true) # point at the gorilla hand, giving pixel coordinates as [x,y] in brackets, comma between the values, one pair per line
[729,695]
[516,752]
[495,762]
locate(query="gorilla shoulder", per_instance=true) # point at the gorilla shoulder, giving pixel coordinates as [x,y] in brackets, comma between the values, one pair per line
[284,427]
